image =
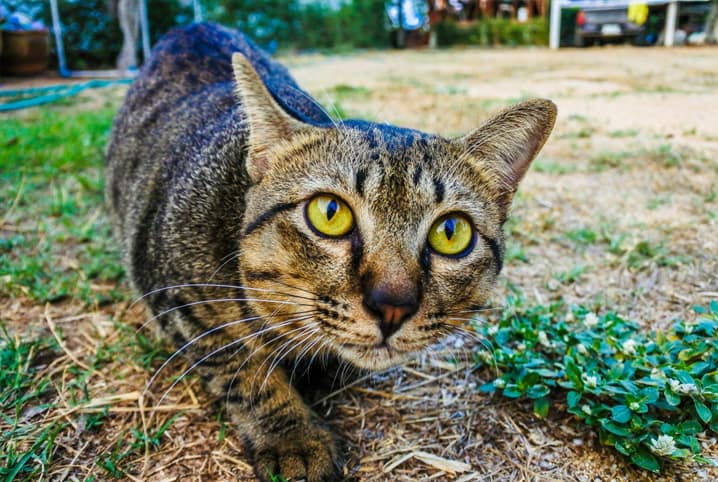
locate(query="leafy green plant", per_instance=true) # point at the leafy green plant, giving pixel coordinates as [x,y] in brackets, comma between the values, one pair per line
[648,394]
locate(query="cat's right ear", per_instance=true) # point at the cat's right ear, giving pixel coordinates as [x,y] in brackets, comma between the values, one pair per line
[269,125]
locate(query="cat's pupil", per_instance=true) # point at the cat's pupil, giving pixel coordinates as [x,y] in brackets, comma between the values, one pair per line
[332,208]
[449,226]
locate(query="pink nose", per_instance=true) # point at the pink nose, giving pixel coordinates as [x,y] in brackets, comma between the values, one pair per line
[392,317]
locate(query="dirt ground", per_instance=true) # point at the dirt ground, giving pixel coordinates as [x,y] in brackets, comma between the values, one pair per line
[634,157]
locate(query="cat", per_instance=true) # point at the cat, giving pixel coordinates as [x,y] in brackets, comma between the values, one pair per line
[266,235]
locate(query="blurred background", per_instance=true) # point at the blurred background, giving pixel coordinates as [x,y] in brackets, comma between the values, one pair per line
[102,34]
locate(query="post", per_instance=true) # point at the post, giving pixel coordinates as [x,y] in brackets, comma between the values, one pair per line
[555,24]
[197,11]
[670,30]
[57,28]
[145,29]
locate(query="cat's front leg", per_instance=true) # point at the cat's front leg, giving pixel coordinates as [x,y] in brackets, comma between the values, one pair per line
[283,435]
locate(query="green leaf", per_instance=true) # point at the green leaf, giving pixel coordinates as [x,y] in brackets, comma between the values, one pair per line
[621,414]
[703,412]
[538,391]
[673,399]
[572,399]
[487,387]
[615,429]
[646,460]
[512,391]
[541,406]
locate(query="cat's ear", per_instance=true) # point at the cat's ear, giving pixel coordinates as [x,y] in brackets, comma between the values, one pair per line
[269,125]
[504,146]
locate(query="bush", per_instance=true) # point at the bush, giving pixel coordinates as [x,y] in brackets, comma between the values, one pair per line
[493,31]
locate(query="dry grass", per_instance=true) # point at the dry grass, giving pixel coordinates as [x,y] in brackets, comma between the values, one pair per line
[619,212]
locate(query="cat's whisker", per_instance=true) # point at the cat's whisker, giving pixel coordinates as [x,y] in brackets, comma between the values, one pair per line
[226,260]
[203,335]
[247,359]
[315,340]
[277,353]
[265,344]
[222,348]
[218,285]
[478,310]
[306,336]
[219,300]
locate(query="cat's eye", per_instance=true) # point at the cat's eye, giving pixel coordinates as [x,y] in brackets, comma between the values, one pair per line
[451,235]
[329,215]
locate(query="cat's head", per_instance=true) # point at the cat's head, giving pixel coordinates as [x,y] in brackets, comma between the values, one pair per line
[380,240]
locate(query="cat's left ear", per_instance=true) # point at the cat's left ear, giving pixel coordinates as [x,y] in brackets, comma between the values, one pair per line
[506,144]
[269,125]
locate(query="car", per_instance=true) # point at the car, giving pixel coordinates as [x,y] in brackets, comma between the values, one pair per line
[599,24]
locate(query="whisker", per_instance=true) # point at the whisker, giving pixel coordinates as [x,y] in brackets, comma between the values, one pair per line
[307,335]
[227,259]
[222,348]
[218,285]
[199,337]
[219,300]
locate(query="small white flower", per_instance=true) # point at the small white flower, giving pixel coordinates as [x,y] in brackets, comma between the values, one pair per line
[485,356]
[570,317]
[686,389]
[675,384]
[586,409]
[543,338]
[656,373]
[499,383]
[589,380]
[581,348]
[629,347]
[521,347]
[664,445]
[635,406]
[493,329]
[590,320]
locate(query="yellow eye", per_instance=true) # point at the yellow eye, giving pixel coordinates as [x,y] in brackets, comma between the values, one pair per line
[330,215]
[451,235]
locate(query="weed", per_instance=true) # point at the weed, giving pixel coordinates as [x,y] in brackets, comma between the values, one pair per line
[608,160]
[572,275]
[648,395]
[621,133]
[552,167]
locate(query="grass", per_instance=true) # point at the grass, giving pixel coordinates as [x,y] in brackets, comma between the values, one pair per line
[58,244]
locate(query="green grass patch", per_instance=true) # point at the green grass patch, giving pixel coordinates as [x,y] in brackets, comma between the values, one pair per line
[648,395]
[56,242]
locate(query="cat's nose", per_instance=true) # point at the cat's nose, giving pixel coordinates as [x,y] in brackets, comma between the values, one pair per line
[391,309]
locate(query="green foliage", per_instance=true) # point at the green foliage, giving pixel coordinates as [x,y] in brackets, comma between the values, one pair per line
[493,31]
[647,394]
[305,25]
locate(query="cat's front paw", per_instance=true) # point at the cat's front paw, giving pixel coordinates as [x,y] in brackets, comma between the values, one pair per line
[308,453]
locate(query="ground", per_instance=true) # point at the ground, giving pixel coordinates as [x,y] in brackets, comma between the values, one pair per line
[619,212]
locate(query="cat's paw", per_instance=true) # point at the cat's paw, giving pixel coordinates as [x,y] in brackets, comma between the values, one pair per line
[308,454]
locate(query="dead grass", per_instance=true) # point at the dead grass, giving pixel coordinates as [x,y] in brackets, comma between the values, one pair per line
[632,168]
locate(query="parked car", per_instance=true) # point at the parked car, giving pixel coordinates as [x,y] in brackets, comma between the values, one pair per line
[598,24]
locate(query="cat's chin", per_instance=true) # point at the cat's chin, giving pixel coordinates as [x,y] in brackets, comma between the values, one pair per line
[374,358]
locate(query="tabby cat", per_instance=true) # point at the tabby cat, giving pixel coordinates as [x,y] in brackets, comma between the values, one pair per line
[267,237]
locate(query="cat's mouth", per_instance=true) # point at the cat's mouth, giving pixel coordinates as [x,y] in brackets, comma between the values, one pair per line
[378,356]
